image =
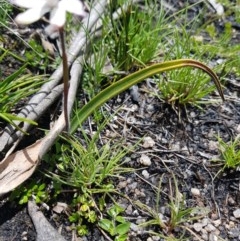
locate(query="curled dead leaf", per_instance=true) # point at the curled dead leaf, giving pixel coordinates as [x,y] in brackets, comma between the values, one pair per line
[18,167]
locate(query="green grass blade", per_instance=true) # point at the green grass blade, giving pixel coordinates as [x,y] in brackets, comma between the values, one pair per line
[11,118]
[133,79]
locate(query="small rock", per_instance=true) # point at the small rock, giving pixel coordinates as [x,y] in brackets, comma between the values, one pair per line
[148,142]
[139,193]
[145,160]
[192,114]
[122,184]
[213,237]
[129,209]
[131,120]
[214,216]
[197,227]
[204,234]
[129,180]
[140,220]
[234,233]
[134,227]
[60,207]
[176,146]
[133,185]
[231,201]
[236,213]
[205,222]
[217,6]
[145,174]
[231,224]
[23,236]
[210,228]
[195,191]
[135,212]
[24,233]
[150,108]
[217,222]
[213,145]
[134,92]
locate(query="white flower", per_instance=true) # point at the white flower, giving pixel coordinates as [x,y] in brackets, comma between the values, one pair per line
[57,9]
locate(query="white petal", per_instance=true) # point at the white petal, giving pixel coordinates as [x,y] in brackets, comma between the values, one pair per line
[28,3]
[31,15]
[58,16]
[73,6]
[52,3]
[52,31]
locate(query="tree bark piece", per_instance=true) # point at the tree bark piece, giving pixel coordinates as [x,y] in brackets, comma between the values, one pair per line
[45,231]
[19,166]
[8,136]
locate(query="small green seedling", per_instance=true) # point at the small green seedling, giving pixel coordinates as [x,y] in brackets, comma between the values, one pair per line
[39,55]
[179,213]
[115,225]
[85,212]
[32,190]
[230,153]
[86,166]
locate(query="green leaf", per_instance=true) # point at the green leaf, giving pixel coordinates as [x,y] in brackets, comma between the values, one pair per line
[41,187]
[92,217]
[123,228]
[106,224]
[37,200]
[133,79]
[23,200]
[73,218]
[120,219]
[10,118]
[121,238]
[82,230]
[115,210]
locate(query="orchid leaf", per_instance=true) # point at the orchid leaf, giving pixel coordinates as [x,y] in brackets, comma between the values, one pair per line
[134,78]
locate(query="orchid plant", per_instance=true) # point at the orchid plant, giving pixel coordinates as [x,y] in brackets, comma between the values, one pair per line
[11,177]
[57,9]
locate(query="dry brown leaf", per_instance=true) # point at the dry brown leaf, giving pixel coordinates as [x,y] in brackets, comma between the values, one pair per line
[18,167]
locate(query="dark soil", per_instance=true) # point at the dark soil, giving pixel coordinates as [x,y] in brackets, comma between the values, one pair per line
[184,143]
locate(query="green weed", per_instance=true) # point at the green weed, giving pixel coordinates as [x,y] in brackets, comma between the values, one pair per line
[83,209]
[184,86]
[39,58]
[115,225]
[13,89]
[89,169]
[5,9]
[135,34]
[89,166]
[179,213]
[230,153]
[32,190]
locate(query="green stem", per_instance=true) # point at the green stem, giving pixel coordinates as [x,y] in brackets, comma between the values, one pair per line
[65,78]
[133,79]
